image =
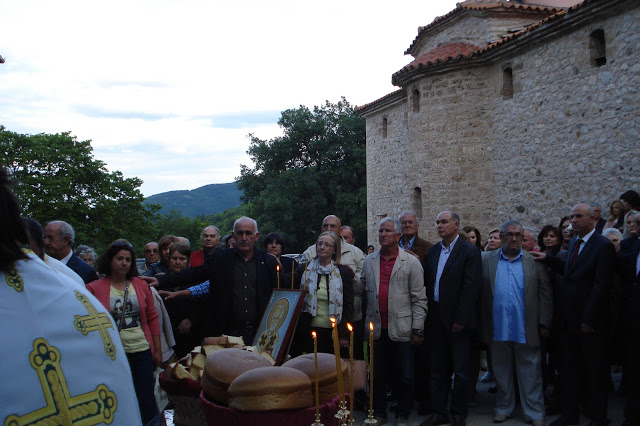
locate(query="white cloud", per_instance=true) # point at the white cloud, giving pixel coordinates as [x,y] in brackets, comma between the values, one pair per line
[168,91]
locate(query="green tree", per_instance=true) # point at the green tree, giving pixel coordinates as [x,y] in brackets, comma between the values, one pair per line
[318,167]
[58,178]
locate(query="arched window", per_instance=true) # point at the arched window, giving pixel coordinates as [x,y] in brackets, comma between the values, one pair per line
[415,98]
[597,48]
[416,202]
[384,128]
[507,83]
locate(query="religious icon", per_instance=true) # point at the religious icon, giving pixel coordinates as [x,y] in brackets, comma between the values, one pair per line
[278,323]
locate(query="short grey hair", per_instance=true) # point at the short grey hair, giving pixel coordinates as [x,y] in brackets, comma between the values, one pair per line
[84,249]
[614,231]
[406,212]
[509,223]
[396,224]
[255,224]
[65,230]
[210,226]
[595,204]
[531,230]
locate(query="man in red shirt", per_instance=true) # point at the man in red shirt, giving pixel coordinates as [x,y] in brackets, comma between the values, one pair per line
[397,307]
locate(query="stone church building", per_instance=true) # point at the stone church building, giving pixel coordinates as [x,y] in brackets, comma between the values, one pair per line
[509,110]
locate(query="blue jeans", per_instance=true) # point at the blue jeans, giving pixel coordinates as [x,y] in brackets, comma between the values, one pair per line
[142,368]
[392,365]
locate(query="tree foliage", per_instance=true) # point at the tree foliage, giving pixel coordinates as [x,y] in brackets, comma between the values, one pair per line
[316,168]
[58,178]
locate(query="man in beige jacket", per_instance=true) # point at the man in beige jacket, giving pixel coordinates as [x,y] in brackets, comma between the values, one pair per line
[397,307]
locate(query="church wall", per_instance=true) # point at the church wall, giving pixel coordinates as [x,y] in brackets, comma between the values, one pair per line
[571,132]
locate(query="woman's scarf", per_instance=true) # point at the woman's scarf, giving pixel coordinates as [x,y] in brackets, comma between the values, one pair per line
[310,282]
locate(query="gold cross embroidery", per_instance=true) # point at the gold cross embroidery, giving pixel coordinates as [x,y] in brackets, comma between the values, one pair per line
[95,321]
[14,279]
[63,409]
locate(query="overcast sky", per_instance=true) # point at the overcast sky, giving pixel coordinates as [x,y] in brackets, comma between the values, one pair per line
[168,90]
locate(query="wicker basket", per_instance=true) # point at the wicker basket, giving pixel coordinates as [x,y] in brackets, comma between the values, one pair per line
[184,394]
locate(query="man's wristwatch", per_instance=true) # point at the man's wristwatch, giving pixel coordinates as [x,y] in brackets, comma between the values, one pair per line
[419,333]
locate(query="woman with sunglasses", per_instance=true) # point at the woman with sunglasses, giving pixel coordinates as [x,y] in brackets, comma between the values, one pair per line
[131,304]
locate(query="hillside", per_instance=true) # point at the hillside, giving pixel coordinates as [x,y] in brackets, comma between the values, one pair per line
[208,199]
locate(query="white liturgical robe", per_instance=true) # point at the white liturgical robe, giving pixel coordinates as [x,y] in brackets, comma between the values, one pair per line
[61,357]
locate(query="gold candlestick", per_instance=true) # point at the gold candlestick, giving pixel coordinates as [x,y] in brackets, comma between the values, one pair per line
[278,269]
[350,327]
[336,350]
[315,354]
[293,264]
[370,368]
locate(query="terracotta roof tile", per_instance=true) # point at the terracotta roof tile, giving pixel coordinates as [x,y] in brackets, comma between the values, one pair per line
[382,99]
[480,5]
[442,53]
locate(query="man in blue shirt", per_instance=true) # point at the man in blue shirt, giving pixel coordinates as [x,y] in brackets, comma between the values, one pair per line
[516,309]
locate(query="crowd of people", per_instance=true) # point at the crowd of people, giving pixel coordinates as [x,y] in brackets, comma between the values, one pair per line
[553,309]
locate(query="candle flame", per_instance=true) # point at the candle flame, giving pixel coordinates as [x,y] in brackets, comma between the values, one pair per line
[371,326]
[350,327]
[333,321]
[313,334]
[278,268]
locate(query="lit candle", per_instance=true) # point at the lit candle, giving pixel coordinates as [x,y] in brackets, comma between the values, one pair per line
[350,327]
[315,354]
[371,366]
[278,269]
[293,264]
[336,351]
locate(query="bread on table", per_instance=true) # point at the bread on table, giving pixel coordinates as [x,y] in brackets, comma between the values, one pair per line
[327,374]
[223,366]
[270,389]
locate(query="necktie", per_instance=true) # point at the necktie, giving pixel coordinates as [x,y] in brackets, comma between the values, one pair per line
[576,250]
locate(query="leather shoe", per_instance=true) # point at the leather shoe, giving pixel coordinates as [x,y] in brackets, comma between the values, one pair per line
[564,421]
[500,418]
[434,420]
[458,421]
[402,421]
[487,377]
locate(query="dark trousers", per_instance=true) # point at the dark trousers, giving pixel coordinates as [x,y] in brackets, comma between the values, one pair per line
[449,354]
[392,363]
[358,339]
[422,367]
[632,406]
[583,373]
[142,368]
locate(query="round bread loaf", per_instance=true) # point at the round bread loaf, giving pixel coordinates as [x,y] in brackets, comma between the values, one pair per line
[223,366]
[270,389]
[327,375]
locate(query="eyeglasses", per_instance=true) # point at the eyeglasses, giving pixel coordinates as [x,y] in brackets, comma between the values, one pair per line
[510,235]
[323,244]
[123,244]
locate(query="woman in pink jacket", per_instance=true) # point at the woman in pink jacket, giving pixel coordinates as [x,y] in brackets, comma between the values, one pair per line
[130,302]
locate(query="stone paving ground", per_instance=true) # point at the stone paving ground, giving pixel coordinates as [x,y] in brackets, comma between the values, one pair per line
[482,413]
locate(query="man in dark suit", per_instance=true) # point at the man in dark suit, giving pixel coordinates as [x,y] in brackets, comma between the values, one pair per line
[453,277]
[582,300]
[631,320]
[241,280]
[58,240]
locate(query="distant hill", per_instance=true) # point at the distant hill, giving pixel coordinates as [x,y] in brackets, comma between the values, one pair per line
[208,199]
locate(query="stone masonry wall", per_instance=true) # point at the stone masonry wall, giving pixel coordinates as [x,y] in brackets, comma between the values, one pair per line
[570,133]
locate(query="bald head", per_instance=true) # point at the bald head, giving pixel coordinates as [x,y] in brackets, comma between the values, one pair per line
[331,223]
